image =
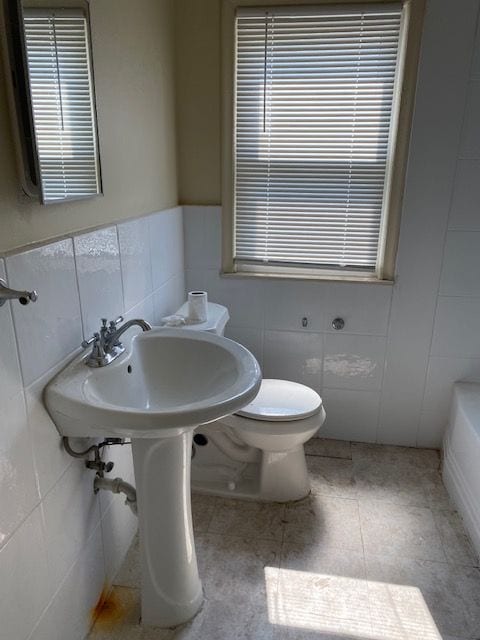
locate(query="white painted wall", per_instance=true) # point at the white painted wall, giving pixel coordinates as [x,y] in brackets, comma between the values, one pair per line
[382,378]
[59,543]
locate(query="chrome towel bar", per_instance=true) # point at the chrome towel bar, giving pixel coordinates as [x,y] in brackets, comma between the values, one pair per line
[24,297]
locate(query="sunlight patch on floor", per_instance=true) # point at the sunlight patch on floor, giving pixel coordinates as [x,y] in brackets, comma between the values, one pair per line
[346,606]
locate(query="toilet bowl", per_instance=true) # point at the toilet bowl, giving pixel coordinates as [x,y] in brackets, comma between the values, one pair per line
[278,422]
[258,452]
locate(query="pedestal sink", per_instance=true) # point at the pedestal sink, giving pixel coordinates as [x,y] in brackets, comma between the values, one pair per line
[166,383]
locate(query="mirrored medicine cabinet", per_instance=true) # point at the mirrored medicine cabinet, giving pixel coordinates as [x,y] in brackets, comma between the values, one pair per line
[49,72]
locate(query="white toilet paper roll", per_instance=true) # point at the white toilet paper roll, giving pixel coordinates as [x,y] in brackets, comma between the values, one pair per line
[197,306]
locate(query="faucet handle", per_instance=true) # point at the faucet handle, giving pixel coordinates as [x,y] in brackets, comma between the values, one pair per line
[87,343]
[113,323]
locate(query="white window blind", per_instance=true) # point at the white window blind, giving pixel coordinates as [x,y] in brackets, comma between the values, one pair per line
[314,95]
[60,76]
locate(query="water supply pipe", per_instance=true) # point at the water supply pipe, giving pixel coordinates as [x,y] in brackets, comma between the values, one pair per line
[118,486]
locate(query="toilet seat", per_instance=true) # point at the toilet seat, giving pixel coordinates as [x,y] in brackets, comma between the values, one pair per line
[282,401]
[271,428]
[283,416]
[281,410]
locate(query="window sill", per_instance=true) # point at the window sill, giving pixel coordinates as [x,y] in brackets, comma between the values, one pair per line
[366,279]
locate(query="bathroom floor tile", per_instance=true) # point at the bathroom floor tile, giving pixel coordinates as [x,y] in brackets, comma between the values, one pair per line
[202,511]
[324,521]
[233,567]
[322,589]
[394,482]
[331,477]
[328,448]
[420,598]
[456,544]
[315,559]
[322,608]
[129,574]
[248,519]
[435,491]
[295,633]
[378,453]
[399,530]
[387,560]
[227,619]
[239,578]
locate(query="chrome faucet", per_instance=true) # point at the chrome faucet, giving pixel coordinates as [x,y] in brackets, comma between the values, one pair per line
[106,345]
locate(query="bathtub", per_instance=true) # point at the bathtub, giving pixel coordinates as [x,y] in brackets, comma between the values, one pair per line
[461,456]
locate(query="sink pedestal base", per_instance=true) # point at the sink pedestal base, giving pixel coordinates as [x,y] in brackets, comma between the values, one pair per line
[171,587]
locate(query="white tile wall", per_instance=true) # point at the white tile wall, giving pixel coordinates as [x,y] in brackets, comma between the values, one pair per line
[169,297]
[50,328]
[25,585]
[203,239]
[119,527]
[59,543]
[287,303]
[372,374]
[71,512]
[51,460]
[455,349]
[456,327]
[245,298]
[294,356]
[351,415]
[134,241]
[97,258]
[17,473]
[461,266]
[68,614]
[353,362]
[166,245]
[466,196]
[470,147]
[476,54]
[433,152]
[365,308]
[10,376]
[252,339]
[442,373]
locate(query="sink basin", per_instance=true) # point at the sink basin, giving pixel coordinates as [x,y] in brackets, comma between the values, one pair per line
[167,379]
[167,382]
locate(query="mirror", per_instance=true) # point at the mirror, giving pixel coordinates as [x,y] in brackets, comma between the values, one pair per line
[53,98]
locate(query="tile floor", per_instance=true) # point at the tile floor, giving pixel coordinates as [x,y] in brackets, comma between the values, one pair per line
[377,552]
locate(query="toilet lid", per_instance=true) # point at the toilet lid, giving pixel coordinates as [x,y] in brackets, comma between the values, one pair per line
[280,400]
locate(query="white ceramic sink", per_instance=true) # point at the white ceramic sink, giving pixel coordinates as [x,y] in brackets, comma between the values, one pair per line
[167,379]
[166,383]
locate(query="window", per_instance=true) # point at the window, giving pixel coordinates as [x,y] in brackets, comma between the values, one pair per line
[316,106]
[60,75]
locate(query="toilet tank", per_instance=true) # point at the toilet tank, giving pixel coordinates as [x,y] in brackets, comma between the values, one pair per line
[217,318]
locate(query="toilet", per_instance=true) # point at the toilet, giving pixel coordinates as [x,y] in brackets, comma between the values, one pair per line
[256,453]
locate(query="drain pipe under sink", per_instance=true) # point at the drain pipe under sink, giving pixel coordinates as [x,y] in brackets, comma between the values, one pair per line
[118,486]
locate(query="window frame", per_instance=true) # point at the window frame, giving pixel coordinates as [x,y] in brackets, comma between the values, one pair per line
[400,137]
